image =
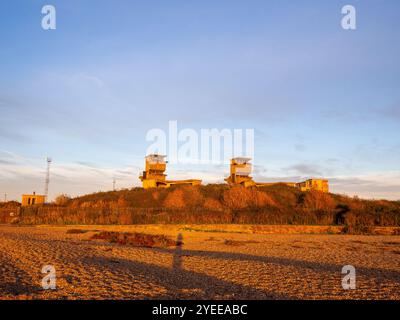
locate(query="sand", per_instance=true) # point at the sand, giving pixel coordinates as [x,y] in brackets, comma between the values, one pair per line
[209,265]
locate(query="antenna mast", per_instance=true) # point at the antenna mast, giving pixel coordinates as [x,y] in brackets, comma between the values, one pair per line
[46,188]
[114,184]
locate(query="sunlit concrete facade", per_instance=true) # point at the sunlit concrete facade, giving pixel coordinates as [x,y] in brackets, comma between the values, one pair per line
[33,199]
[154,176]
[314,184]
[240,170]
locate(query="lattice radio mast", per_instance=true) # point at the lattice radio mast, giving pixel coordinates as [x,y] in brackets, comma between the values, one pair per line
[46,187]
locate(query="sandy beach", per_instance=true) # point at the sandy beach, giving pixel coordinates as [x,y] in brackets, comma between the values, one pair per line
[211,264]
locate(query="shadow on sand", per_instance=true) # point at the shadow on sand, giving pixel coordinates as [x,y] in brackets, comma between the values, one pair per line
[184,284]
[300,264]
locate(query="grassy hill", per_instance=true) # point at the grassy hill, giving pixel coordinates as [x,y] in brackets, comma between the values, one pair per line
[218,203]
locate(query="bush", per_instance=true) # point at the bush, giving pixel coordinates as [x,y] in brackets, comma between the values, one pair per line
[62,200]
[175,200]
[213,204]
[237,198]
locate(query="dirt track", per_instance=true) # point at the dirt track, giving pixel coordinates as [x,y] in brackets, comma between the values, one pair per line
[251,266]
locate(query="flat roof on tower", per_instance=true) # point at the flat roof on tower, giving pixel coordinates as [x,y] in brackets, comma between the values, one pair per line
[241,159]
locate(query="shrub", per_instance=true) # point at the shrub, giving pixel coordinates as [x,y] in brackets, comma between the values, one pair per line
[175,199]
[62,200]
[213,204]
[192,196]
[261,199]
[317,201]
[237,198]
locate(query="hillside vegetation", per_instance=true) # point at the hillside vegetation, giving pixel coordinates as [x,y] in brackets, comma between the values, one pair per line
[212,204]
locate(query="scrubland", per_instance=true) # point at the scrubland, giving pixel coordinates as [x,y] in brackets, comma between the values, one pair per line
[213,204]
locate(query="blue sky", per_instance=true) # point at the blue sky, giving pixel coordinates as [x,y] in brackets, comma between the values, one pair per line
[323,101]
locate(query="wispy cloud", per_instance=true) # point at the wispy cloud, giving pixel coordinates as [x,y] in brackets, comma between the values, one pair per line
[376,185]
[6,162]
[23,175]
[81,80]
[305,169]
[392,112]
